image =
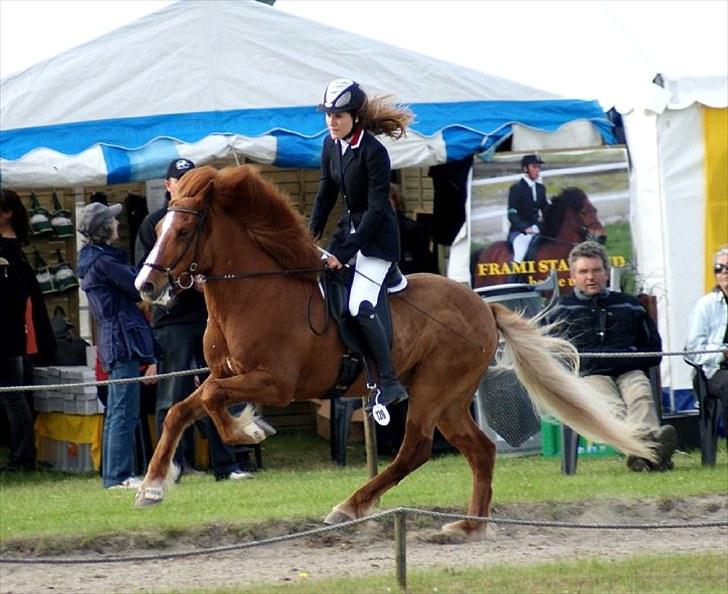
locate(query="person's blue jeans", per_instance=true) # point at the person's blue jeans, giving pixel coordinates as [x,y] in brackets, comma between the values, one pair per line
[121,418]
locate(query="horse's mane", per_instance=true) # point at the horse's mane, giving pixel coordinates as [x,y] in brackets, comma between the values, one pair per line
[263,210]
[568,199]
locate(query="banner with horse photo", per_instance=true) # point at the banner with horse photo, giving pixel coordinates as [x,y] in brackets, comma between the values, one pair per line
[584,190]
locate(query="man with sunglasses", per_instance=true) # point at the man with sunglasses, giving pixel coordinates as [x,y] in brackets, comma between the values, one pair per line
[708,330]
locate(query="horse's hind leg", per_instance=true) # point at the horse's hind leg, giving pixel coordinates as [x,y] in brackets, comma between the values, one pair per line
[459,428]
[416,449]
[159,474]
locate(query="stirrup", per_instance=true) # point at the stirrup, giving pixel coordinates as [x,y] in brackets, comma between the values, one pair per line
[379,412]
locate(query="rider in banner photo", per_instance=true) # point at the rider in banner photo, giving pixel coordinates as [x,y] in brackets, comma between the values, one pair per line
[356,165]
[527,204]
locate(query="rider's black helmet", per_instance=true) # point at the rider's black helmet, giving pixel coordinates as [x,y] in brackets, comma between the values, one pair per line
[530,160]
[342,95]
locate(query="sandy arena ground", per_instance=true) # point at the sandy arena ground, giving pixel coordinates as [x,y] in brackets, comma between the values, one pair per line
[369,548]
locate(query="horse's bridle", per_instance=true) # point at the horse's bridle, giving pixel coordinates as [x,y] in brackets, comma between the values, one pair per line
[186,279]
[585,229]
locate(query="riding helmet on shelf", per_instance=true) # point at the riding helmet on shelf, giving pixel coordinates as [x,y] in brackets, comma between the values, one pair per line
[341,95]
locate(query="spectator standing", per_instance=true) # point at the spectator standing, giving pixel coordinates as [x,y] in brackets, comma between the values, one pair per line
[708,330]
[596,319]
[527,204]
[26,329]
[125,338]
[179,328]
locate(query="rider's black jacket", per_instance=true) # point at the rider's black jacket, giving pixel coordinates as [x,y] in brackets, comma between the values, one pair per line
[523,210]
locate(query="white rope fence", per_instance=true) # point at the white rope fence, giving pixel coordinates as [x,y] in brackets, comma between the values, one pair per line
[203,370]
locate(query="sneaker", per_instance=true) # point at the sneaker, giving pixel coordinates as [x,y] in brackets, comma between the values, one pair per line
[237,475]
[131,483]
[190,471]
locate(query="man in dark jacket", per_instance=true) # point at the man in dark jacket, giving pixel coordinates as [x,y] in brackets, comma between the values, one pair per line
[179,328]
[596,319]
[526,205]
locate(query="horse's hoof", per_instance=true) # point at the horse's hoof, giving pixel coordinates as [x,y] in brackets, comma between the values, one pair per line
[462,532]
[337,517]
[441,537]
[265,427]
[148,496]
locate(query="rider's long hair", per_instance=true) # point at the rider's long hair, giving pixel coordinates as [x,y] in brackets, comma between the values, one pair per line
[380,115]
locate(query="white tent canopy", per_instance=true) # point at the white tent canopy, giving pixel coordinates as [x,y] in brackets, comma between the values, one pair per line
[678,145]
[205,80]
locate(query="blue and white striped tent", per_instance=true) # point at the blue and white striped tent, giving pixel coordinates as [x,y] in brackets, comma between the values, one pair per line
[206,80]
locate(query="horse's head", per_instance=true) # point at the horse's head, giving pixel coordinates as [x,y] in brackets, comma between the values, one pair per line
[572,217]
[591,228]
[175,258]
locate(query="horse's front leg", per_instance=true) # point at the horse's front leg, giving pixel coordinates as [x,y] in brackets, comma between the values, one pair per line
[253,387]
[160,473]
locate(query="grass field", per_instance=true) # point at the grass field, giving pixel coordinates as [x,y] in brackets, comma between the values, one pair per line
[653,574]
[300,482]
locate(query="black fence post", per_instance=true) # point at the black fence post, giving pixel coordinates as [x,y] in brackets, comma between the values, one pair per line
[400,551]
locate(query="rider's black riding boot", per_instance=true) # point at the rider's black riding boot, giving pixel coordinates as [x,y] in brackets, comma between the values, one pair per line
[391,391]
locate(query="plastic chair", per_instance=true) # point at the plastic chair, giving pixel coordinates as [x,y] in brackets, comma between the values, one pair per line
[709,418]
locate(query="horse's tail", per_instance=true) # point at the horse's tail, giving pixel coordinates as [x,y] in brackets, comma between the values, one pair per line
[541,363]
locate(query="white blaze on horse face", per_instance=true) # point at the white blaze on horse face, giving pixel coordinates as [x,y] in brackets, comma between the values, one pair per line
[152,257]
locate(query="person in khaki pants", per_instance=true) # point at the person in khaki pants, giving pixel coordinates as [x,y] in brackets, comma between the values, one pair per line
[596,319]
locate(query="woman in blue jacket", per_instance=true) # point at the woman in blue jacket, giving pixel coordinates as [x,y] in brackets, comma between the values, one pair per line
[356,165]
[125,339]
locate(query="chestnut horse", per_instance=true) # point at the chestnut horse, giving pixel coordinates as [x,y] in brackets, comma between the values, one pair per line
[570,219]
[268,341]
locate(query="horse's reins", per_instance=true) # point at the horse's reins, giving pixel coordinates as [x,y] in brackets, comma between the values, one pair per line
[581,230]
[203,278]
[201,216]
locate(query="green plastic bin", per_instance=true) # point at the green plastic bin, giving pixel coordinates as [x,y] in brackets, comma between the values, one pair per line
[551,442]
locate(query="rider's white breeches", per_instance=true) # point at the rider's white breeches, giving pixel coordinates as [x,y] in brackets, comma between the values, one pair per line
[369,275]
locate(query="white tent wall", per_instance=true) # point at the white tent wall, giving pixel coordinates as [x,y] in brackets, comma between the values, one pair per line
[668,212]
[666,185]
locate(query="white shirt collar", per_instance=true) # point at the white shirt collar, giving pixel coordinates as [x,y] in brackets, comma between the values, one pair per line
[532,182]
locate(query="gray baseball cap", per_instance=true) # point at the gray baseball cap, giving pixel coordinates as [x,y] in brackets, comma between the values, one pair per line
[93,216]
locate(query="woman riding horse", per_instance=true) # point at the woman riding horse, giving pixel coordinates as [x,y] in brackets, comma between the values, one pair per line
[267,341]
[356,165]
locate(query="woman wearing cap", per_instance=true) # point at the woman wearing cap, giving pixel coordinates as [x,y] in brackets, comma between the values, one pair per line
[356,165]
[125,338]
[708,330]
